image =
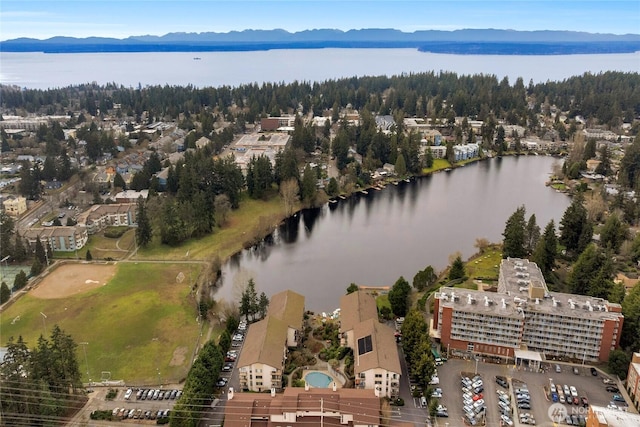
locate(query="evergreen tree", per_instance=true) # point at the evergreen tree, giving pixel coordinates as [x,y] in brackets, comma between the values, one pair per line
[584,270]
[513,245]
[613,233]
[263,305]
[40,253]
[6,235]
[547,250]
[630,165]
[400,166]
[36,267]
[531,234]
[20,281]
[332,187]
[457,269]
[575,229]
[398,297]
[118,182]
[5,293]
[144,232]
[88,256]
[308,190]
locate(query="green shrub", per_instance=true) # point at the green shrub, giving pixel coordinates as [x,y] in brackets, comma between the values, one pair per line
[115,232]
[101,415]
[111,394]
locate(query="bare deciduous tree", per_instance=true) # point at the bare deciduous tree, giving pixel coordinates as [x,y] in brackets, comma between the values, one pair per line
[289,190]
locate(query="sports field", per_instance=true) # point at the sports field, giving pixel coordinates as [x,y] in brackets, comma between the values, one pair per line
[138,322]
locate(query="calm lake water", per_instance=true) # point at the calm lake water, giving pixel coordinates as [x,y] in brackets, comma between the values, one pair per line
[41,71]
[376,238]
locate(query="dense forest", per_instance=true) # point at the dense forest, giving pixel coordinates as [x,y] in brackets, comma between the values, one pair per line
[608,98]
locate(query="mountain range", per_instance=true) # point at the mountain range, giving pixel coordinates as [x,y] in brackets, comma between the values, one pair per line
[468,41]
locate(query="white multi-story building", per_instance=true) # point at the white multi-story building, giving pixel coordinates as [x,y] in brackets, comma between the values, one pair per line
[523,314]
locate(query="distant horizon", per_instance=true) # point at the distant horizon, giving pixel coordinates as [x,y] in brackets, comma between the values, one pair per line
[315,29]
[121,19]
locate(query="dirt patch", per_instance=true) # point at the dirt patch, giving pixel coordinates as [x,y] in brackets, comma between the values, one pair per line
[73,279]
[179,356]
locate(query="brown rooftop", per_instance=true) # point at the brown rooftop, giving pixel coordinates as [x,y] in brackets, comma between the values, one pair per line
[355,308]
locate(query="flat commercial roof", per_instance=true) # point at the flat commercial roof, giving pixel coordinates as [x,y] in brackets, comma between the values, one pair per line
[528,355]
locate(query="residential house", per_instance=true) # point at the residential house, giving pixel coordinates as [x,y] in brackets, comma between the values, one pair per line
[304,407]
[15,206]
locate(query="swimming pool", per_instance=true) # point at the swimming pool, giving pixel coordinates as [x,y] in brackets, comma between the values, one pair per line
[318,379]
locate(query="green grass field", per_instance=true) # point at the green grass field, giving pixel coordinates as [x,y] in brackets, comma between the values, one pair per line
[438,164]
[141,323]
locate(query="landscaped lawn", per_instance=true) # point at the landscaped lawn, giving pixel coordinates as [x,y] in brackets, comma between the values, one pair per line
[140,326]
[485,267]
[438,164]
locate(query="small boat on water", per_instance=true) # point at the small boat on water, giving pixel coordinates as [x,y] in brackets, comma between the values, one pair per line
[333,201]
[196,58]
[395,182]
[364,192]
[407,180]
[342,197]
[447,170]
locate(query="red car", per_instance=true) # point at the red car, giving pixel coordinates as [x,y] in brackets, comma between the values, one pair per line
[477,396]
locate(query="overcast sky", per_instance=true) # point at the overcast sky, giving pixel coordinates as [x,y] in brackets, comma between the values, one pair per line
[123,18]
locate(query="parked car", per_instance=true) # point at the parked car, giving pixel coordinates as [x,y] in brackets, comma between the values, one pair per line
[558,368]
[584,401]
[502,382]
[613,389]
[594,371]
[506,420]
[576,371]
[618,398]
[127,395]
[574,391]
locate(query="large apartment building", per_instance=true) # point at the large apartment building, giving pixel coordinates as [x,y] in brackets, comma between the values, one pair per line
[375,352]
[262,359]
[524,315]
[633,380]
[303,407]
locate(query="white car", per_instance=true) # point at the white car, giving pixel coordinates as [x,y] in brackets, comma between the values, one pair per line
[574,391]
[506,420]
[127,395]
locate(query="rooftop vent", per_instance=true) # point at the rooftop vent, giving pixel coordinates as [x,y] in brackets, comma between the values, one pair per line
[504,304]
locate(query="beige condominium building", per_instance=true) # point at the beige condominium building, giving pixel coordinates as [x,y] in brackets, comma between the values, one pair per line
[375,352]
[524,315]
[633,380]
[263,354]
[303,407]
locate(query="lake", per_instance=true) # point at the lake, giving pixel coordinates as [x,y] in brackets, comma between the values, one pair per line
[41,71]
[374,239]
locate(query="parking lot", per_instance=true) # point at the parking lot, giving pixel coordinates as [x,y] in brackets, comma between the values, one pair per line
[587,385]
